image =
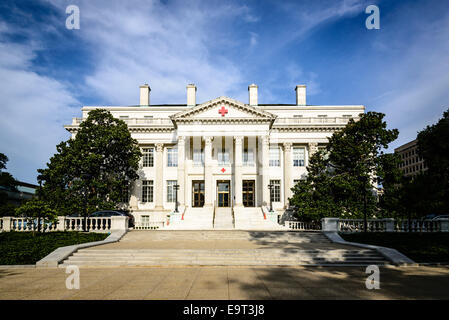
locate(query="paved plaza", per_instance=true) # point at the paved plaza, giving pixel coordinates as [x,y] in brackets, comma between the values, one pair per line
[223,283]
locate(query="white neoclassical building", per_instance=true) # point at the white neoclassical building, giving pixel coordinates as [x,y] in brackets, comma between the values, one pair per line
[223,154]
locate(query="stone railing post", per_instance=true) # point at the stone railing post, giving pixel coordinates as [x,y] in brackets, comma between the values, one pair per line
[444,223]
[61,224]
[7,224]
[389,225]
[329,224]
[119,223]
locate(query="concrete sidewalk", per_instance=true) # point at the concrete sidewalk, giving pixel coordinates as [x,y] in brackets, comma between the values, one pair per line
[226,283]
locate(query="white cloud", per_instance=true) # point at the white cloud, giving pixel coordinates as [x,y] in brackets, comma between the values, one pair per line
[33,111]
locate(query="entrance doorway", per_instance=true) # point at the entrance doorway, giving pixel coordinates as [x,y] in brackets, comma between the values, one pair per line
[223,193]
[248,189]
[198,193]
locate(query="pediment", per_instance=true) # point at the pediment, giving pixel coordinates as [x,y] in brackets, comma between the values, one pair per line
[223,109]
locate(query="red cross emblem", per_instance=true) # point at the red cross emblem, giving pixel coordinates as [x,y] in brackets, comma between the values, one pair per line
[223,111]
[223,170]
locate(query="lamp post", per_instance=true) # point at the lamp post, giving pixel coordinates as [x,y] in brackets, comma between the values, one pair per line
[270,187]
[176,187]
[363,180]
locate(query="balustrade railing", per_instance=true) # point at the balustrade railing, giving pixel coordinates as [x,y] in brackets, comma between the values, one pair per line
[417,226]
[357,225]
[302,226]
[94,224]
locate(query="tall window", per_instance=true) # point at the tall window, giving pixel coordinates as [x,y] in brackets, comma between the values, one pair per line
[172,157]
[275,157]
[148,157]
[298,157]
[147,191]
[276,190]
[171,190]
[248,157]
[198,157]
[223,157]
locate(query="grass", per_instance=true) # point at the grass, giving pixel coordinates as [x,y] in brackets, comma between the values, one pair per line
[28,247]
[420,247]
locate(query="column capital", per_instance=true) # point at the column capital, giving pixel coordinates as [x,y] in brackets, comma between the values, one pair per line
[159,147]
[287,146]
[181,139]
[265,140]
[208,140]
[238,139]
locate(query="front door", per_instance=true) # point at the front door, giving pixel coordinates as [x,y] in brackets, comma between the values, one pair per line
[198,193]
[248,189]
[223,193]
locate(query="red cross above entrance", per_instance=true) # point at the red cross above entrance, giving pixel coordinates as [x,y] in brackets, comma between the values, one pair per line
[223,111]
[223,170]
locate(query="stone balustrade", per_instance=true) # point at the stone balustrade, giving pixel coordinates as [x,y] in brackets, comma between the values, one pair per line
[302,226]
[384,225]
[94,224]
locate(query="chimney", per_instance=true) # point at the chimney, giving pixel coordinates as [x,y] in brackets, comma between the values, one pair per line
[252,92]
[191,95]
[300,95]
[145,95]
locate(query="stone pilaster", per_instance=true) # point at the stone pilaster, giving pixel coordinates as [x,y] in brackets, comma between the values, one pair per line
[208,187]
[181,171]
[313,147]
[287,172]
[238,171]
[159,183]
[265,170]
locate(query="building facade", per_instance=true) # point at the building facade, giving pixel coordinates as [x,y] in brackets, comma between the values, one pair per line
[223,152]
[412,164]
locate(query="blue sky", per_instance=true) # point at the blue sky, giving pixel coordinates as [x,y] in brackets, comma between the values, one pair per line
[48,72]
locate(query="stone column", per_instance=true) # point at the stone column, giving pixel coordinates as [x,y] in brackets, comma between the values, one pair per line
[159,183]
[208,187]
[238,171]
[287,172]
[265,170]
[181,170]
[313,147]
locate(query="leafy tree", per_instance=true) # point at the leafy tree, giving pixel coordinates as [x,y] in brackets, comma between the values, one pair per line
[39,209]
[354,162]
[92,170]
[7,183]
[433,147]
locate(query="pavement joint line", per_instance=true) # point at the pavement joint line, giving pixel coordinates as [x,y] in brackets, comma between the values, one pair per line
[191,284]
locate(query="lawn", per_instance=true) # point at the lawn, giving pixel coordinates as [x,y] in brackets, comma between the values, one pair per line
[28,248]
[424,247]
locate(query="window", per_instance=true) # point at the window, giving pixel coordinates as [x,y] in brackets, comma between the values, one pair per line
[297,116]
[148,157]
[275,190]
[147,191]
[322,116]
[172,157]
[198,157]
[124,117]
[275,157]
[171,192]
[298,157]
[248,157]
[223,157]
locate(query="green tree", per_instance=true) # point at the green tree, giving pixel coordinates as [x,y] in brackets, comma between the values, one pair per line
[39,209]
[433,147]
[7,183]
[94,170]
[354,161]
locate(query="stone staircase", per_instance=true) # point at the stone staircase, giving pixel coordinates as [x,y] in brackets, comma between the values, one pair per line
[223,219]
[194,219]
[223,248]
[253,219]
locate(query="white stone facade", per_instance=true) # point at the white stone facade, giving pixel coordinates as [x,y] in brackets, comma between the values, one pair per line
[224,146]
